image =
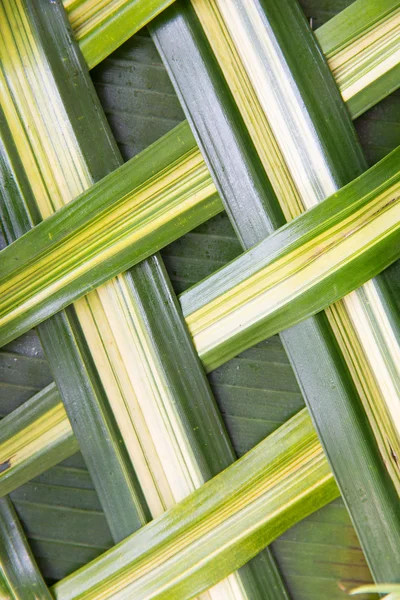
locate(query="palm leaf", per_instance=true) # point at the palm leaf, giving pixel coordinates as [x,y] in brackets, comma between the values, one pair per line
[62,336]
[20,576]
[135,297]
[199,73]
[24,372]
[216,310]
[169,564]
[62,518]
[357,224]
[102,315]
[94,22]
[310,170]
[126,217]
[363,53]
[361,45]
[33,438]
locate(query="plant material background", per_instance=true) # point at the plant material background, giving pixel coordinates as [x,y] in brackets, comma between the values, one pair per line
[67,514]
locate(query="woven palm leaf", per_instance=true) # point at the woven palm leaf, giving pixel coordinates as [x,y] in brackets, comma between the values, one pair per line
[199,299]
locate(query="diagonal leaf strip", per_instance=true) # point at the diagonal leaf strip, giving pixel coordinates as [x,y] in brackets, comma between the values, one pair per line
[363,325]
[97,328]
[129,215]
[19,575]
[361,43]
[326,383]
[218,527]
[362,47]
[101,27]
[73,369]
[33,438]
[316,264]
[361,218]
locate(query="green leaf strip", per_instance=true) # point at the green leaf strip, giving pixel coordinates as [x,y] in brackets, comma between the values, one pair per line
[362,47]
[300,269]
[328,389]
[145,204]
[357,227]
[314,145]
[66,351]
[20,578]
[33,438]
[102,26]
[28,188]
[361,43]
[180,437]
[217,528]
[110,317]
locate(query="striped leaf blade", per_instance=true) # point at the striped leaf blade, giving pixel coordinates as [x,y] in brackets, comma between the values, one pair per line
[182,272]
[33,438]
[362,47]
[342,395]
[100,27]
[313,168]
[20,578]
[62,335]
[52,505]
[252,405]
[121,220]
[319,257]
[102,315]
[363,53]
[182,278]
[158,565]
